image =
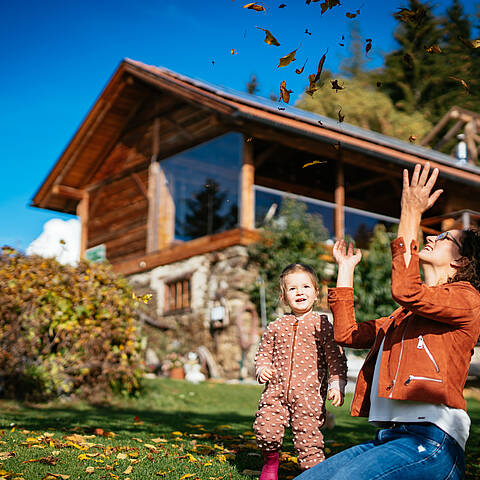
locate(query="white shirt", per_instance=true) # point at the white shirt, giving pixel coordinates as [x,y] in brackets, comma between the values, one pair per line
[453,421]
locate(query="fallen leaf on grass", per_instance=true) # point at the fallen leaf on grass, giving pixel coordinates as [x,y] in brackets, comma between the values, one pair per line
[121,456]
[177,433]
[55,476]
[50,460]
[269,38]
[6,455]
[159,440]
[90,469]
[187,475]
[128,470]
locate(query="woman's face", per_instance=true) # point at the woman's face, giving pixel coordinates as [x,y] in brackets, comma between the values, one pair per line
[442,250]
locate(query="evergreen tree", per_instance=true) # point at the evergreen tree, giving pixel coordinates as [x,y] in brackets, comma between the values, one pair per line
[411,73]
[204,216]
[373,298]
[293,237]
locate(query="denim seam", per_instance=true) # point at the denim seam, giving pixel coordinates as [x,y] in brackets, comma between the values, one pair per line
[452,471]
[396,469]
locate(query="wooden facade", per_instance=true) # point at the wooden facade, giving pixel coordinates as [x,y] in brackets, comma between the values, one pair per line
[111,174]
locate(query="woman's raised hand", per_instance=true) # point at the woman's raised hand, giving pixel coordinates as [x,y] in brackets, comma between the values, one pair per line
[346,256]
[416,194]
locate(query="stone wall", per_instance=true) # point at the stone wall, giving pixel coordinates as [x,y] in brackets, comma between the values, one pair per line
[218,278]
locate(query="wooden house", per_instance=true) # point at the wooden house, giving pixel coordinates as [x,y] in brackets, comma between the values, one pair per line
[173,175]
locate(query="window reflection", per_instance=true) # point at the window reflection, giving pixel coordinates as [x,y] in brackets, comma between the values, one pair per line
[203,183]
[359,224]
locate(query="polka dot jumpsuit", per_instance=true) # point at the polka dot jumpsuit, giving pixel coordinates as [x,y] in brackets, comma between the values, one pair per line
[306,360]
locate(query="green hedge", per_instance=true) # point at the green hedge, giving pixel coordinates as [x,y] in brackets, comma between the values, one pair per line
[66,330]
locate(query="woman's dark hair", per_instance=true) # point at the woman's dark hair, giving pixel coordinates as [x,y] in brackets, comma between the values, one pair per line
[470,271]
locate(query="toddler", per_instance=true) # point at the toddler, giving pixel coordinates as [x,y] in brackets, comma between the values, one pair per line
[298,360]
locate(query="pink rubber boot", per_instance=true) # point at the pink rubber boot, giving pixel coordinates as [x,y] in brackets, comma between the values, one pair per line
[270,466]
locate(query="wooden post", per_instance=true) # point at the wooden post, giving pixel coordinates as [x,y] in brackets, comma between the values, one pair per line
[166,211]
[153,200]
[339,224]
[247,178]
[82,213]
[470,133]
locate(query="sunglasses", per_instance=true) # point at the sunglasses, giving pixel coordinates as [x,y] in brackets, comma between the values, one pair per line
[448,236]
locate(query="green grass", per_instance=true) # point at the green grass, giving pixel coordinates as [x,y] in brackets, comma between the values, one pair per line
[177,428]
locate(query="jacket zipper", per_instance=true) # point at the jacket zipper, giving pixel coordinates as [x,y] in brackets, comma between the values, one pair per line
[295,325]
[423,346]
[414,377]
[399,360]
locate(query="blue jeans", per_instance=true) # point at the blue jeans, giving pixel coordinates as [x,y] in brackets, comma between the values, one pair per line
[405,452]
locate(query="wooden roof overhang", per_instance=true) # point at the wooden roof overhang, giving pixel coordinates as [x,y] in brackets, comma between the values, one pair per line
[121,109]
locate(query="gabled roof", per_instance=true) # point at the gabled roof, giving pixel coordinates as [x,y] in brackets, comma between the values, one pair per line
[127,89]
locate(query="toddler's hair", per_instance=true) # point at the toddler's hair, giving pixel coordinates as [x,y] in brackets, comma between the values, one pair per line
[293,268]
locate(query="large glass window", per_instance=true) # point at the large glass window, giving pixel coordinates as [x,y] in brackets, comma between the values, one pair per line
[359,224]
[203,183]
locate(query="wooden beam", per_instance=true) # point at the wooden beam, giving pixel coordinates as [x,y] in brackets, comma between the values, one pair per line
[139,183]
[180,129]
[451,132]
[174,253]
[366,183]
[266,154]
[82,213]
[339,215]
[453,113]
[68,192]
[153,191]
[247,178]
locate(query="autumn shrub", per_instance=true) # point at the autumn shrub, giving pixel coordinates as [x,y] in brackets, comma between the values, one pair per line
[66,330]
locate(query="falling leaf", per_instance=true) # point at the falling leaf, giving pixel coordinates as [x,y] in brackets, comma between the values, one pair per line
[300,70]
[282,5]
[379,84]
[408,59]
[314,163]
[307,32]
[320,66]
[341,117]
[475,43]
[412,16]
[352,15]
[336,86]
[284,95]
[368,46]
[329,4]
[213,62]
[312,88]
[233,51]
[433,49]
[254,6]
[412,138]
[470,43]
[463,83]
[287,59]
[269,38]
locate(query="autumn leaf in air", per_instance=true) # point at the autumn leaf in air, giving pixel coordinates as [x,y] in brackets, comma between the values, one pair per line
[307,32]
[320,66]
[284,93]
[143,298]
[470,43]
[328,4]
[412,138]
[352,15]
[269,38]
[315,162]
[255,6]
[282,5]
[312,88]
[462,82]
[341,117]
[412,16]
[233,51]
[433,49]
[300,70]
[336,86]
[287,59]
[368,46]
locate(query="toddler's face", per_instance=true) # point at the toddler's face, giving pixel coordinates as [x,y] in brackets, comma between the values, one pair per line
[300,292]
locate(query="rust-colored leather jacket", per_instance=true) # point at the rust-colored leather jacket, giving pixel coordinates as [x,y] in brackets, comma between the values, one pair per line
[429,340]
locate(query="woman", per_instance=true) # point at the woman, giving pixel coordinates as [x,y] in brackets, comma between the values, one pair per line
[411,384]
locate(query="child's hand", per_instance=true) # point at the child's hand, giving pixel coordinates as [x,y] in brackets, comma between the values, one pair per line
[266,375]
[336,397]
[346,257]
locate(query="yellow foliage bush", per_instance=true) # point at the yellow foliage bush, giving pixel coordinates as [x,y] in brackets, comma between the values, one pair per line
[66,330]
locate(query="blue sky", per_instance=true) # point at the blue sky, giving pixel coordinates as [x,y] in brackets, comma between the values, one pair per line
[58,55]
